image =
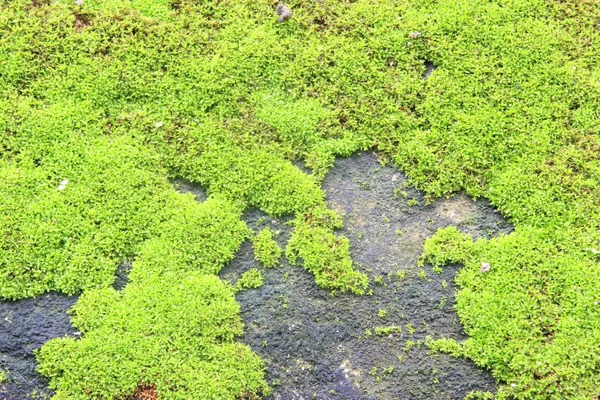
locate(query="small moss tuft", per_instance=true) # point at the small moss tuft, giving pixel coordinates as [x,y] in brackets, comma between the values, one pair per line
[266,249]
[250,279]
[447,246]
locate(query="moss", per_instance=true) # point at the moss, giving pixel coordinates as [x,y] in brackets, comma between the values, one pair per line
[295,121]
[479,395]
[73,239]
[535,298]
[250,279]
[447,246]
[174,314]
[324,254]
[387,330]
[445,345]
[117,97]
[266,249]
[145,334]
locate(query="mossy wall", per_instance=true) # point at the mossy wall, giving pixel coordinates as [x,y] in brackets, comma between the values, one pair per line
[118,97]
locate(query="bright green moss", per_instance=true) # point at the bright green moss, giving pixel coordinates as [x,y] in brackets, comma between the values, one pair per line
[266,249]
[250,279]
[447,246]
[259,178]
[324,254]
[118,96]
[244,173]
[180,323]
[295,121]
[73,239]
[479,395]
[387,330]
[159,9]
[449,346]
[174,314]
[533,307]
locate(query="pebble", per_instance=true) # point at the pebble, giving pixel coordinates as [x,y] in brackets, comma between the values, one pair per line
[485,267]
[284,13]
[63,184]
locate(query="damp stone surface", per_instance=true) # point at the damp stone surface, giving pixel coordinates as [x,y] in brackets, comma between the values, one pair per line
[25,325]
[319,346]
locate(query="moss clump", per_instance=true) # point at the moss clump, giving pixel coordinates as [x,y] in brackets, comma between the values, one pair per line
[3,376]
[73,239]
[295,121]
[445,345]
[387,330]
[266,249]
[250,279]
[175,314]
[256,177]
[186,324]
[533,307]
[479,395]
[447,246]
[324,254]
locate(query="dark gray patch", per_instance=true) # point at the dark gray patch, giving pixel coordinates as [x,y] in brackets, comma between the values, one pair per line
[429,68]
[316,345]
[122,275]
[25,325]
[185,186]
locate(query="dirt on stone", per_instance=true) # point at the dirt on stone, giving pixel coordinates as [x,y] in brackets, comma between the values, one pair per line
[82,21]
[144,392]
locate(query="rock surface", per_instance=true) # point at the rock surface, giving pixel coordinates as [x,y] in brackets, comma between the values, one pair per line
[321,347]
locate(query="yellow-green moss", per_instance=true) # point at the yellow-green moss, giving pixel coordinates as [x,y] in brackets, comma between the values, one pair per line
[266,249]
[116,97]
[250,279]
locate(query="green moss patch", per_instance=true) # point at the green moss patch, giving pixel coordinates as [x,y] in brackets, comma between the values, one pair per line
[530,312]
[102,103]
[250,279]
[266,249]
[175,314]
[326,255]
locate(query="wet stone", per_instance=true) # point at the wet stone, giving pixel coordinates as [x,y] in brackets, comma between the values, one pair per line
[185,186]
[429,68]
[122,275]
[318,346]
[25,325]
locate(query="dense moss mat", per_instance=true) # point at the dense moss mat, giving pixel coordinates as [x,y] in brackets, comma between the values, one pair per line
[171,327]
[117,97]
[532,317]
